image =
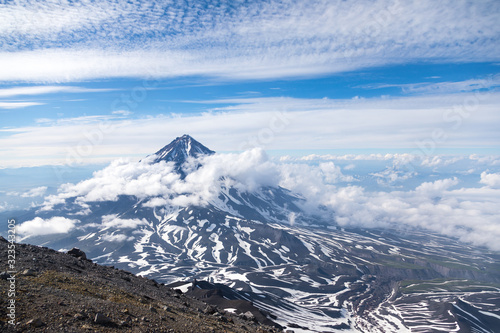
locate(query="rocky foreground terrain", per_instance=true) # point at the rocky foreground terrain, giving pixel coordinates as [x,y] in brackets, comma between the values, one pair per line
[59,292]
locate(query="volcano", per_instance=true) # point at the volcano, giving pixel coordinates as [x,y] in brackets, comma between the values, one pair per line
[158,218]
[180,149]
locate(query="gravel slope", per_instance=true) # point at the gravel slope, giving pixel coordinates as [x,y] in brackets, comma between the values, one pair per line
[58,292]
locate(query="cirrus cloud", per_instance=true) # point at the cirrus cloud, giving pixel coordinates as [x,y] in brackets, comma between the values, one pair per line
[47,41]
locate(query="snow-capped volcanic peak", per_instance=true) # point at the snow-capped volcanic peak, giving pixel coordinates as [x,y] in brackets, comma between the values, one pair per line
[239,228]
[179,150]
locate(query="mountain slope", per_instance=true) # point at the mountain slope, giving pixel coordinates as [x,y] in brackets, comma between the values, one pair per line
[304,270]
[57,292]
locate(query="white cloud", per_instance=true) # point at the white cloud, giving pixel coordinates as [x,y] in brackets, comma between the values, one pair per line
[437,187]
[246,171]
[392,175]
[4,206]
[492,160]
[468,214]
[398,158]
[42,19]
[350,167]
[35,192]
[18,105]
[447,87]
[39,226]
[122,113]
[41,90]
[407,123]
[121,177]
[444,87]
[117,238]
[113,221]
[444,206]
[38,90]
[333,174]
[273,39]
[156,202]
[490,179]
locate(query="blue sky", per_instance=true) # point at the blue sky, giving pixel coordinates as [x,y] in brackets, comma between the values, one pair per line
[383,110]
[348,75]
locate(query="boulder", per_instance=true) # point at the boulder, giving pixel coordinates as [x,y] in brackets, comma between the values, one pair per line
[77,253]
[102,319]
[28,272]
[247,316]
[35,322]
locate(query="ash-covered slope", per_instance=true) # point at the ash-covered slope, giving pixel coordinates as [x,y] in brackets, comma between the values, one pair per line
[257,240]
[58,292]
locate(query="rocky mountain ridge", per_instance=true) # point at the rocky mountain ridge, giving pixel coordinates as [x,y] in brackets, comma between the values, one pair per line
[58,292]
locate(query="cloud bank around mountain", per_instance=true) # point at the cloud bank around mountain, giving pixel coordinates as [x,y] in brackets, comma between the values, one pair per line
[113,221]
[445,205]
[117,238]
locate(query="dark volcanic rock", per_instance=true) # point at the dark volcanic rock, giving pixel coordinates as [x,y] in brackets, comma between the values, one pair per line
[35,323]
[222,297]
[76,296]
[102,319]
[28,272]
[77,253]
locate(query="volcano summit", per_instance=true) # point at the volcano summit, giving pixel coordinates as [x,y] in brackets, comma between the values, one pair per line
[180,149]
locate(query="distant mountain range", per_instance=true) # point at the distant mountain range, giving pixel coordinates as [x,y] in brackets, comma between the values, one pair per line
[305,272]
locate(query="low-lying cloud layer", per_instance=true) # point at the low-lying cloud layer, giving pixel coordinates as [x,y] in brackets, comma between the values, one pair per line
[54,225]
[490,179]
[445,205]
